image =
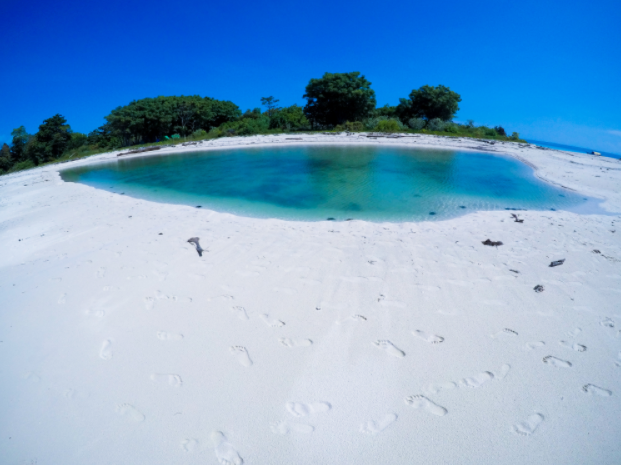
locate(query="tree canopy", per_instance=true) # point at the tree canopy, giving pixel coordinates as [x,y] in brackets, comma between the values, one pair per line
[338,97]
[429,102]
[51,140]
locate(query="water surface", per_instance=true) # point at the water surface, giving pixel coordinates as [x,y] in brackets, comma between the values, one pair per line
[375,183]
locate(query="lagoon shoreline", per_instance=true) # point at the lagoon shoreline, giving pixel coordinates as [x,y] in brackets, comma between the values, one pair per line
[294,339]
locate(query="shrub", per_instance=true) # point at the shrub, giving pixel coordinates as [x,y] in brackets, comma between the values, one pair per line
[436,124]
[515,136]
[500,130]
[388,125]
[354,126]
[451,127]
[489,132]
[22,165]
[199,133]
[416,123]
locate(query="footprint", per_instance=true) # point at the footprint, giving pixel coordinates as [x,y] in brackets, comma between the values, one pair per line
[189,445]
[62,299]
[242,355]
[534,345]
[598,391]
[419,401]
[295,342]
[96,313]
[298,409]
[556,362]
[129,411]
[436,388]
[358,318]
[101,272]
[166,336]
[225,452]
[241,312]
[504,370]
[272,323]
[574,332]
[284,427]
[390,348]
[106,350]
[374,427]
[606,323]
[573,346]
[149,303]
[504,334]
[477,380]
[428,337]
[528,427]
[170,379]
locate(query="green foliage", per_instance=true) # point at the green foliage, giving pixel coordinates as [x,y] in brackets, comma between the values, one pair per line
[353,126]
[5,158]
[18,146]
[50,142]
[515,136]
[77,140]
[289,118]
[451,127]
[338,97]
[416,123]
[489,132]
[436,124]
[500,130]
[149,119]
[270,102]
[386,110]
[199,133]
[175,136]
[388,125]
[429,102]
[22,165]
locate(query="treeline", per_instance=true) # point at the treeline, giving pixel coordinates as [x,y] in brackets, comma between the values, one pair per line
[336,101]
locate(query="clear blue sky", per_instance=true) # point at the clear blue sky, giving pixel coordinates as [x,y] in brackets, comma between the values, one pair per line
[550,70]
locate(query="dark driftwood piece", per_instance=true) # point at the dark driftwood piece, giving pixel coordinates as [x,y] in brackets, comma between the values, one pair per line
[144,149]
[194,241]
[557,263]
[491,243]
[538,288]
[517,219]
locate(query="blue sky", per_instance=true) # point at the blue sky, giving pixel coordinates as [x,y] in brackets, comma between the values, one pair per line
[549,70]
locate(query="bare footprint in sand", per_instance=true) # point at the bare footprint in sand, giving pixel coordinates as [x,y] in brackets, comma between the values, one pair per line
[428,337]
[242,355]
[556,362]
[170,379]
[574,332]
[284,427]
[596,390]
[225,452]
[241,312]
[149,303]
[389,347]
[62,299]
[534,345]
[358,318]
[166,336]
[528,427]
[374,427]
[106,350]
[295,342]
[504,370]
[101,272]
[299,409]
[130,412]
[271,322]
[573,346]
[419,401]
[477,380]
[505,333]
[189,445]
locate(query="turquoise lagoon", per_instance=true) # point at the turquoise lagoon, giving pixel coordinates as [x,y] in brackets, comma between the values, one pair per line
[311,183]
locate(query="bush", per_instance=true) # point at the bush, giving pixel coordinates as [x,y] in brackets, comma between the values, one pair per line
[500,130]
[451,127]
[22,165]
[515,136]
[353,126]
[416,123]
[489,132]
[388,125]
[199,133]
[436,124]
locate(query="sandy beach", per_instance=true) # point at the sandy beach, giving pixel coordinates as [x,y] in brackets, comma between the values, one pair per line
[309,342]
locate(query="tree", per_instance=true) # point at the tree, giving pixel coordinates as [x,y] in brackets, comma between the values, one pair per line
[51,141]
[5,158]
[270,102]
[338,97]
[289,118]
[18,145]
[429,102]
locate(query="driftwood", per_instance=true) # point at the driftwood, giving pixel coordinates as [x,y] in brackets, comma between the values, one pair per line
[557,263]
[517,219]
[491,243]
[538,288]
[293,138]
[194,241]
[144,149]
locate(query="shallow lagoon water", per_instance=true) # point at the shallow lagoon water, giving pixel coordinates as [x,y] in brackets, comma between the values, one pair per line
[375,183]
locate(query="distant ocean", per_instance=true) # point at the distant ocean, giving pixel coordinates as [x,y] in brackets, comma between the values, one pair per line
[571,148]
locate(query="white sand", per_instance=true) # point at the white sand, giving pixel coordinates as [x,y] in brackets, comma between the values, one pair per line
[308,343]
